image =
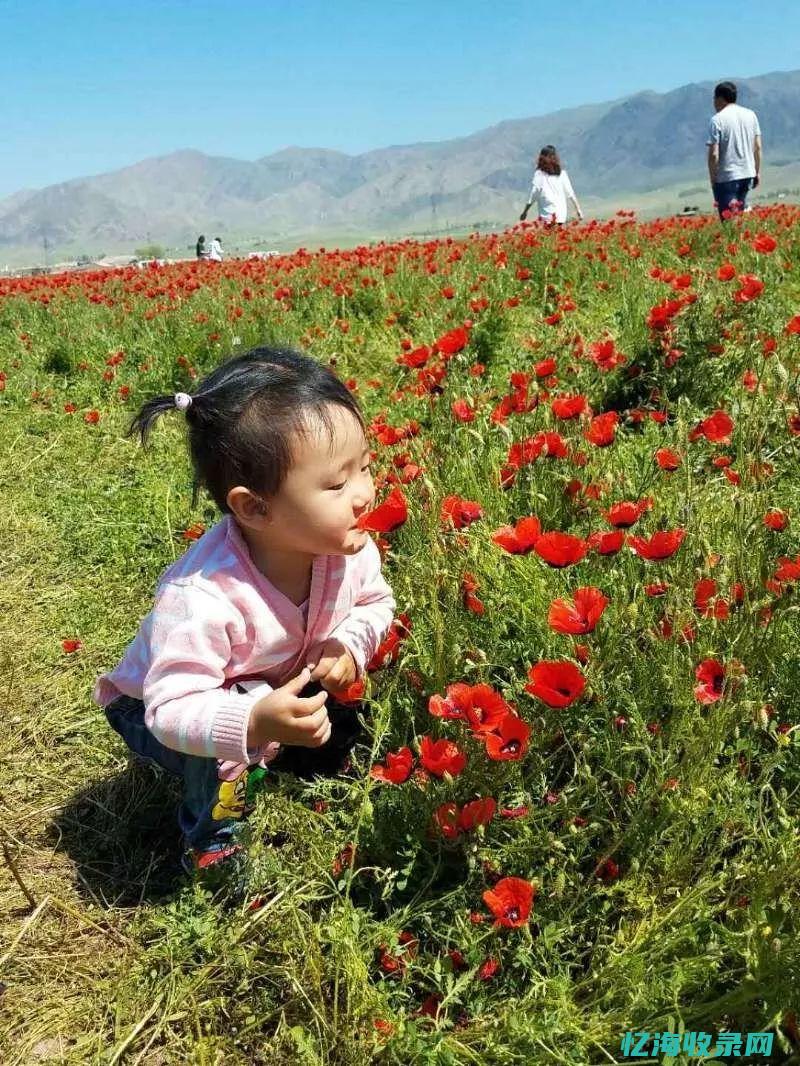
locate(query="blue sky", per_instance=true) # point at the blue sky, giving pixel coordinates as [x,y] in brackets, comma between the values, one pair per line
[90,86]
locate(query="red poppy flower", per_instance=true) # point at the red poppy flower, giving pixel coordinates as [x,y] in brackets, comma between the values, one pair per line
[457,959]
[558,683]
[452,342]
[546,367]
[765,243]
[750,288]
[459,512]
[776,520]
[509,741]
[656,588]
[194,532]
[661,315]
[488,969]
[519,539]
[560,549]
[387,516]
[717,428]
[343,860]
[623,515]
[522,453]
[578,617]
[606,543]
[397,768]
[451,705]
[750,380]
[661,545]
[485,709]
[605,356]
[602,429]
[430,1007]
[70,645]
[704,589]
[441,757]
[792,326]
[446,818]
[477,812]
[463,411]
[726,272]
[568,406]
[417,358]
[710,675]
[788,569]
[514,812]
[510,901]
[552,445]
[607,870]
[668,459]
[471,602]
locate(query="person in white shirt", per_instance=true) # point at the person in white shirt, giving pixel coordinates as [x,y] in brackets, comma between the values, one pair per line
[551,188]
[734,151]
[215,251]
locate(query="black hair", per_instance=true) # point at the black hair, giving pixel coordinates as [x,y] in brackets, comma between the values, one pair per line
[726,90]
[246,415]
[548,160]
[201,237]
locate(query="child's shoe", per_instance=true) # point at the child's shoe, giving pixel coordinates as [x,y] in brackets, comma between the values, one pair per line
[219,864]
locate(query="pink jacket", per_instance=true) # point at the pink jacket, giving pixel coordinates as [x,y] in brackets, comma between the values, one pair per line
[217,621]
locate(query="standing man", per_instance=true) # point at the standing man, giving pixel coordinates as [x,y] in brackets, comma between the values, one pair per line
[734,150]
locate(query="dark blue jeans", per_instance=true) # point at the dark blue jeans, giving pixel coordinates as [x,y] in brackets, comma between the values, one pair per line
[731,195]
[212,809]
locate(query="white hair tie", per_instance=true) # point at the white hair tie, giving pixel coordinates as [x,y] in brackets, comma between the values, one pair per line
[183,401]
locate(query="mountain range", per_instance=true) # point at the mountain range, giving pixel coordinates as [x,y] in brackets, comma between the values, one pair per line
[628,147]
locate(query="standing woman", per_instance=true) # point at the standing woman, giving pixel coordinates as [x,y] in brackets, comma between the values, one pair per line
[551,187]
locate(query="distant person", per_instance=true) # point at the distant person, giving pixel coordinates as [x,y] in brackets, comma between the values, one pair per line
[215,252]
[200,248]
[734,151]
[552,188]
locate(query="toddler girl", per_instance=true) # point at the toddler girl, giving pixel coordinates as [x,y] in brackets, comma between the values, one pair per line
[279,604]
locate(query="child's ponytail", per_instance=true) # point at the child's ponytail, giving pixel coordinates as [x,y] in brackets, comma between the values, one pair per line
[149,412]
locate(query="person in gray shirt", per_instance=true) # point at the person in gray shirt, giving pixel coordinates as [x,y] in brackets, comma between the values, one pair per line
[734,151]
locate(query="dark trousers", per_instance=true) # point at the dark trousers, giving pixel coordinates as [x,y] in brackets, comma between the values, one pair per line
[212,808]
[731,195]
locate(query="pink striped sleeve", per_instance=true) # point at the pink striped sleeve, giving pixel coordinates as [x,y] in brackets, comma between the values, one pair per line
[370,617]
[186,707]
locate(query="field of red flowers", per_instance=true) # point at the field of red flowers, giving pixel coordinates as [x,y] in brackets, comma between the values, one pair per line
[578,813]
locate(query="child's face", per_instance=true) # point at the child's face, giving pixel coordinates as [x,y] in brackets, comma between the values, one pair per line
[327,489]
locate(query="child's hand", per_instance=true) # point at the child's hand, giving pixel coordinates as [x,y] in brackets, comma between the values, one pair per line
[332,665]
[286,717]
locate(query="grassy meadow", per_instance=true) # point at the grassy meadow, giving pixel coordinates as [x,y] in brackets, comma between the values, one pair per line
[632,386]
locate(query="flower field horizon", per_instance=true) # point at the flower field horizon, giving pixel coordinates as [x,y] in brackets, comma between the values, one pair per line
[575,813]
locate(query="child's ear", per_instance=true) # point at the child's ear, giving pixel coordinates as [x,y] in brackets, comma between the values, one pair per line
[245,505]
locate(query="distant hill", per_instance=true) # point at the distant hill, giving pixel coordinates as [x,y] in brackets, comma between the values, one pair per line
[631,146]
